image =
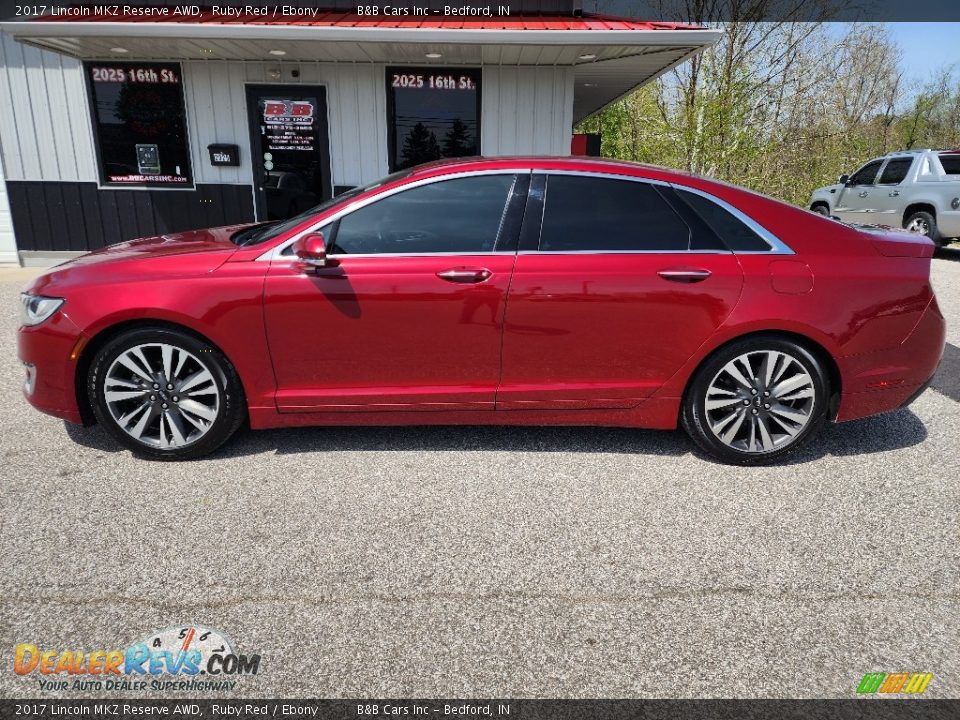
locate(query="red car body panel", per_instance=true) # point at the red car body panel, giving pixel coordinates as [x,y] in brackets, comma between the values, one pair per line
[588,339]
[394,311]
[566,312]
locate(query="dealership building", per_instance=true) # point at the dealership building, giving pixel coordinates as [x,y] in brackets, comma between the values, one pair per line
[115,128]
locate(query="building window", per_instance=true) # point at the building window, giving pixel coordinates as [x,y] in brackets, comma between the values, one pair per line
[433,113]
[139,123]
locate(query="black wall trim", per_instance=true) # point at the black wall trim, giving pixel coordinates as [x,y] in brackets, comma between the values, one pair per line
[80,216]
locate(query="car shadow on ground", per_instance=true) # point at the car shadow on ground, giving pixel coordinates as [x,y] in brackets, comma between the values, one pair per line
[948,253]
[885,433]
[947,379]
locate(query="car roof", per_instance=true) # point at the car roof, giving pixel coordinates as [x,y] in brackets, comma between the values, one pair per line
[544,162]
[942,151]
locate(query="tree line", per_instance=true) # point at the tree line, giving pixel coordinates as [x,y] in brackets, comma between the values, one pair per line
[783,108]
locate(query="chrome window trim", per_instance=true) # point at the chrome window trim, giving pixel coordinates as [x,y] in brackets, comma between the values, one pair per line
[611,176]
[626,252]
[479,253]
[601,174]
[276,253]
[777,246]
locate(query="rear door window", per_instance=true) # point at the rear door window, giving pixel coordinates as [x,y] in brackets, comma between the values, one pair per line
[895,171]
[589,213]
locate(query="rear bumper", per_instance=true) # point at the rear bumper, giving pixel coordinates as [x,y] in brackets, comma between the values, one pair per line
[886,380]
[49,372]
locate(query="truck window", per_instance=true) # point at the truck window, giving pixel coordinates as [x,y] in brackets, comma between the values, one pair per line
[895,171]
[867,174]
[951,163]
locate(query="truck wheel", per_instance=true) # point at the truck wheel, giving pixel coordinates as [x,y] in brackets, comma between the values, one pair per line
[821,209]
[924,223]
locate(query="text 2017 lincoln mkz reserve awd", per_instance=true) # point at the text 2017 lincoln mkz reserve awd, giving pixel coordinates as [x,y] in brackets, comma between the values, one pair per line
[513,291]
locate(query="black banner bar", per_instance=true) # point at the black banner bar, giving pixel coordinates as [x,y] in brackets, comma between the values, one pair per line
[185,709]
[699,11]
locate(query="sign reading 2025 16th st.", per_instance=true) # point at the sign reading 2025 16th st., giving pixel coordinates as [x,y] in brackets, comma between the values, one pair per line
[135,74]
[189,658]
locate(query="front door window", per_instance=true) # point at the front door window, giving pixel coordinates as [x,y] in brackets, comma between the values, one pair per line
[451,216]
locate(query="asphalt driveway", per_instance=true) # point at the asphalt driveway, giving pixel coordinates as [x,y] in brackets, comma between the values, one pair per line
[475,562]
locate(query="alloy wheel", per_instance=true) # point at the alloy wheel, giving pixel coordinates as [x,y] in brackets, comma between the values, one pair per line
[919,225]
[760,401]
[161,395]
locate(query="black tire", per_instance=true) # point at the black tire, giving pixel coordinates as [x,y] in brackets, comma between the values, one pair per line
[821,209]
[930,222]
[230,402]
[696,419]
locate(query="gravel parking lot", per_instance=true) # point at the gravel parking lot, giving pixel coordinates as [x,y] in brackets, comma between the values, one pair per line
[474,562]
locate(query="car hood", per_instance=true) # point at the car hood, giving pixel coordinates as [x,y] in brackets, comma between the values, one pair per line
[195,251]
[211,240]
[827,190]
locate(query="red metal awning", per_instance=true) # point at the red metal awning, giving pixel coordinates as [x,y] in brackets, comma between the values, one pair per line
[561,23]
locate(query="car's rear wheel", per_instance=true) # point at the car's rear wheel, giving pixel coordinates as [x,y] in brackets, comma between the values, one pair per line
[756,400]
[924,223]
[165,394]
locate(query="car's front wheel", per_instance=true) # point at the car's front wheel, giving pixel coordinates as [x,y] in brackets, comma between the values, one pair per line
[756,400]
[165,394]
[821,209]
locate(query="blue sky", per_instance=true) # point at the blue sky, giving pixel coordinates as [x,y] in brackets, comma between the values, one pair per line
[927,47]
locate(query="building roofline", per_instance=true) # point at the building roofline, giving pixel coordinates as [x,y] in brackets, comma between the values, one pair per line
[521,30]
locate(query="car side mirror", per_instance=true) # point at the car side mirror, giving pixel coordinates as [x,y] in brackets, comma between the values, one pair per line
[311,249]
[843,179]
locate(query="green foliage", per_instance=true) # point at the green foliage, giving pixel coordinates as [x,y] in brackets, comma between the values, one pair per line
[782,109]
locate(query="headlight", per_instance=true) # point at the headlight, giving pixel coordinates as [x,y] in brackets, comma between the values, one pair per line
[34,309]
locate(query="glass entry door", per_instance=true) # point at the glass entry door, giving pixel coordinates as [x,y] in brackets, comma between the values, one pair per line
[290,148]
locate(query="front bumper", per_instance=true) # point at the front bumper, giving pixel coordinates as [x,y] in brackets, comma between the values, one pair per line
[886,380]
[50,373]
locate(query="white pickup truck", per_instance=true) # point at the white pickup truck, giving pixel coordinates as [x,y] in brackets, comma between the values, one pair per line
[918,190]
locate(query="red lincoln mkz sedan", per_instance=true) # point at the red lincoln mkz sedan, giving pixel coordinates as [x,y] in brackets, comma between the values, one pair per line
[514,291]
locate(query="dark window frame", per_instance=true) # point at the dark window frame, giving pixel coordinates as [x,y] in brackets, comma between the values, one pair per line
[477,73]
[89,84]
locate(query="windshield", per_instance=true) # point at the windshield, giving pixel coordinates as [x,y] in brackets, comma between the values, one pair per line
[268,231]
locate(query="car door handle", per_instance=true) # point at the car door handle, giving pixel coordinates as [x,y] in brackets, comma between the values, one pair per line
[864,193]
[464,275]
[895,193]
[684,275]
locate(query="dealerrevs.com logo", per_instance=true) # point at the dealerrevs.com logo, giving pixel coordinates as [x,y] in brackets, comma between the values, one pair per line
[191,658]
